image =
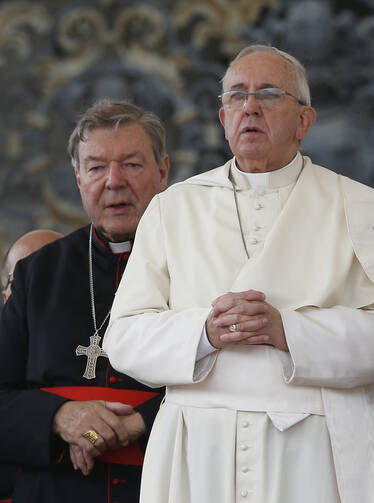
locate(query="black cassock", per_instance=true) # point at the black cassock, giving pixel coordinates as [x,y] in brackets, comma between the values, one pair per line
[46,318]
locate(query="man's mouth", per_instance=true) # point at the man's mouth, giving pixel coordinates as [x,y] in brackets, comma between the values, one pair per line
[250,130]
[117,206]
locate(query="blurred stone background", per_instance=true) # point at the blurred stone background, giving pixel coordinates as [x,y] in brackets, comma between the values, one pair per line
[58,56]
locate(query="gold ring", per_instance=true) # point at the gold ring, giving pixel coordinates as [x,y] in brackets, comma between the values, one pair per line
[91,435]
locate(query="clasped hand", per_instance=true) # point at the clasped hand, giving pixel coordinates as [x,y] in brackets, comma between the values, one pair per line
[115,423]
[256,321]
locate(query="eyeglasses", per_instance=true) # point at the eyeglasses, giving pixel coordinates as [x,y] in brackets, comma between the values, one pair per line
[268,97]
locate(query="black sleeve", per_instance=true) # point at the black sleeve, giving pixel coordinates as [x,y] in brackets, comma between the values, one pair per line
[8,477]
[26,412]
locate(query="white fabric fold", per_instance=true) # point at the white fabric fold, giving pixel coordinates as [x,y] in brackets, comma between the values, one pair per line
[282,420]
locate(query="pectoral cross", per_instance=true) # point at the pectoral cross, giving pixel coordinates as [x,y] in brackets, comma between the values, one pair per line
[93,351]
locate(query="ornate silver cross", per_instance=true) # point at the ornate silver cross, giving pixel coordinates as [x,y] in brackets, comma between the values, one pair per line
[93,351]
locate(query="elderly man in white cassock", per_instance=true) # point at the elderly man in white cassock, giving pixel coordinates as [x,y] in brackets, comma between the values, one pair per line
[248,294]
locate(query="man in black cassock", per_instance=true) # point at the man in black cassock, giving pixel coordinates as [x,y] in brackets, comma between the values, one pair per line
[26,244]
[76,427]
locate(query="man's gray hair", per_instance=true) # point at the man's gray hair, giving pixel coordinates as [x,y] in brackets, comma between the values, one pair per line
[300,76]
[106,113]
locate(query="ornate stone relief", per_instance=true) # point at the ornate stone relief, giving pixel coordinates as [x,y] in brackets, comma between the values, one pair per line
[57,57]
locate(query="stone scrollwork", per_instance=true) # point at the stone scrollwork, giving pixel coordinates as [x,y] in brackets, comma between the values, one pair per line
[79,30]
[168,56]
[142,27]
[15,18]
[220,21]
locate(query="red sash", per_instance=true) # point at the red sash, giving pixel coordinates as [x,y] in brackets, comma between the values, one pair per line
[129,455]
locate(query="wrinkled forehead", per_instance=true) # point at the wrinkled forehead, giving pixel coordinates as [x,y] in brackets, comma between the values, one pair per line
[103,130]
[96,137]
[258,70]
[124,141]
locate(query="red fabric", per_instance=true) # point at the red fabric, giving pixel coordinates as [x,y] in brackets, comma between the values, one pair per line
[130,455]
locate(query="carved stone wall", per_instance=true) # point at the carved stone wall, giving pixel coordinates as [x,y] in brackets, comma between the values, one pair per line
[58,56]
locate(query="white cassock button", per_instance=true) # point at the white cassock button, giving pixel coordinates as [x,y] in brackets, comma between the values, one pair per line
[245,424]
[245,469]
[253,241]
[244,447]
[260,191]
[258,206]
[244,493]
[256,227]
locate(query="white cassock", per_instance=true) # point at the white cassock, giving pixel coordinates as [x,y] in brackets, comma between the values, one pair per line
[310,236]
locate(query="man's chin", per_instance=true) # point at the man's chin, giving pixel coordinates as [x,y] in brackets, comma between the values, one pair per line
[119,233]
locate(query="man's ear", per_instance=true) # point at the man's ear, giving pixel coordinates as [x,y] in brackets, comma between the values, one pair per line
[221,115]
[307,118]
[164,168]
[77,177]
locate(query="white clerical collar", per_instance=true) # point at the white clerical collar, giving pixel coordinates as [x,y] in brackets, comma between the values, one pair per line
[120,247]
[271,179]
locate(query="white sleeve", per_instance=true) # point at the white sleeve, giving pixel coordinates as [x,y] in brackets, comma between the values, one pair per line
[329,347]
[146,339]
[204,348]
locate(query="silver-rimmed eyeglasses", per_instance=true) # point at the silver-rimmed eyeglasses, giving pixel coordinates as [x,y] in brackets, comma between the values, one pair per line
[268,97]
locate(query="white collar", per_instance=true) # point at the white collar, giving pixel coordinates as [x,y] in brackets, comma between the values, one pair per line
[271,179]
[120,247]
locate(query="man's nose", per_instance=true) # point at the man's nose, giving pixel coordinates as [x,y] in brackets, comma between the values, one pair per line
[251,105]
[116,176]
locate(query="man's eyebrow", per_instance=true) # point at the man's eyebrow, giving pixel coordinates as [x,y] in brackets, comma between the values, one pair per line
[135,153]
[242,86]
[93,158]
[124,157]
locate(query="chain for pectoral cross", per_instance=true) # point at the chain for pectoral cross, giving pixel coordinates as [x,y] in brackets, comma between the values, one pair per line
[94,350]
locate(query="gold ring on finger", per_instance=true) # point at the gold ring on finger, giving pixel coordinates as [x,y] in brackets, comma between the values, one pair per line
[91,436]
